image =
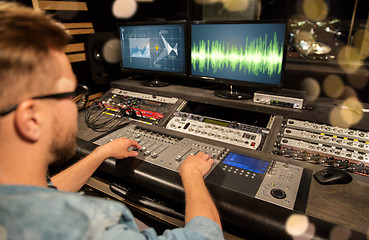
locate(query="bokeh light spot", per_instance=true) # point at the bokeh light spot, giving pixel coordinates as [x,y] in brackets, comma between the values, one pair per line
[351,111]
[361,42]
[236,5]
[111,51]
[349,59]
[316,10]
[360,79]
[304,42]
[312,88]
[335,118]
[340,233]
[348,92]
[297,224]
[333,86]
[124,8]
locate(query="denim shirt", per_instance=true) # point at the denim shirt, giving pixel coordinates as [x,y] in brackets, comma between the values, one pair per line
[28,212]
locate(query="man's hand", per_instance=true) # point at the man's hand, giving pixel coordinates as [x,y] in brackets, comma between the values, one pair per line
[118,148]
[199,163]
[74,177]
[198,200]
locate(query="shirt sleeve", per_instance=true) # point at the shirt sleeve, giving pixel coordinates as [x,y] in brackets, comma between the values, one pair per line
[199,228]
[205,227]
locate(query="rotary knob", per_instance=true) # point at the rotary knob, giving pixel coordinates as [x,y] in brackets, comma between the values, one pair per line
[278,193]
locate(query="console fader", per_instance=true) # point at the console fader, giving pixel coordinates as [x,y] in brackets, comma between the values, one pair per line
[268,180]
[163,150]
[320,143]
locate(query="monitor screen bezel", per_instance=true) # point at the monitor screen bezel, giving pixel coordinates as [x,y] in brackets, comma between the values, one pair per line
[237,83]
[152,72]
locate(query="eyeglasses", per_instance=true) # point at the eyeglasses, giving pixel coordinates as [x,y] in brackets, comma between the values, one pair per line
[80,91]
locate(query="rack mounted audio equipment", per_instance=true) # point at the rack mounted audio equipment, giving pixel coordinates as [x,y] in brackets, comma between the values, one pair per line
[235,133]
[146,108]
[282,97]
[323,144]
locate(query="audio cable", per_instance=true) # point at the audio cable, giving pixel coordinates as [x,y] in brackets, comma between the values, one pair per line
[102,117]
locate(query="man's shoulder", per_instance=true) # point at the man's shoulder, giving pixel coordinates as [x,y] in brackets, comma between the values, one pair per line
[57,202]
[41,196]
[49,211]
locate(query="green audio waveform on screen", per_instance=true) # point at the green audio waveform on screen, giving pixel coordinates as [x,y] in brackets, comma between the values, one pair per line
[257,57]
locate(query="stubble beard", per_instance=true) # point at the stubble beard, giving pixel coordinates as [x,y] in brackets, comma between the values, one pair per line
[63,149]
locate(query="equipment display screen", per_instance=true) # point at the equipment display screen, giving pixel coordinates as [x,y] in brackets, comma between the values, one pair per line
[216,122]
[247,163]
[244,52]
[153,47]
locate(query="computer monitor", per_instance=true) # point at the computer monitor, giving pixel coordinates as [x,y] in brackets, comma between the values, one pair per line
[154,49]
[248,54]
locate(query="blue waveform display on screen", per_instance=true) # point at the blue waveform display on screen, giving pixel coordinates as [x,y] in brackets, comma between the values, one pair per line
[142,53]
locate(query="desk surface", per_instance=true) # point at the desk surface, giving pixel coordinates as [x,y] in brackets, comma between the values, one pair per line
[344,205]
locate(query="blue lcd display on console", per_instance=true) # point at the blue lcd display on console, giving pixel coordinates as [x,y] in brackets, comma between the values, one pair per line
[247,163]
[156,48]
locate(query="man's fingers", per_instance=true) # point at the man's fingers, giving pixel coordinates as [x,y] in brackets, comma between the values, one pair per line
[203,155]
[132,154]
[200,154]
[134,144]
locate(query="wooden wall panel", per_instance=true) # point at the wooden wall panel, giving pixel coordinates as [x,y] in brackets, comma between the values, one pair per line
[77,57]
[81,31]
[78,25]
[75,47]
[62,5]
[75,51]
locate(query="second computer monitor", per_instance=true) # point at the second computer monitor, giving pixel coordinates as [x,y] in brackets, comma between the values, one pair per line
[249,54]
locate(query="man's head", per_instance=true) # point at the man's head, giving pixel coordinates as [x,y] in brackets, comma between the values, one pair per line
[32,63]
[26,37]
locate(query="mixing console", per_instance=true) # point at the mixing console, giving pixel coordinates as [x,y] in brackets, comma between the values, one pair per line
[319,143]
[268,180]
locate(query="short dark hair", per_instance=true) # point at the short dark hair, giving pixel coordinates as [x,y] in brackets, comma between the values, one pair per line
[26,37]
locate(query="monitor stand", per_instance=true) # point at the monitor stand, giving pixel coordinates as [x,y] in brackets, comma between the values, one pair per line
[232,94]
[154,83]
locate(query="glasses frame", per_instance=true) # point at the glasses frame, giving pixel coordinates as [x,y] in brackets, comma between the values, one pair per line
[79,91]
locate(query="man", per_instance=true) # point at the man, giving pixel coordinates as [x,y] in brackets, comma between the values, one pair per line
[38,127]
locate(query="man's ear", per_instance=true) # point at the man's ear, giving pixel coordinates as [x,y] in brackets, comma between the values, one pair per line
[27,120]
